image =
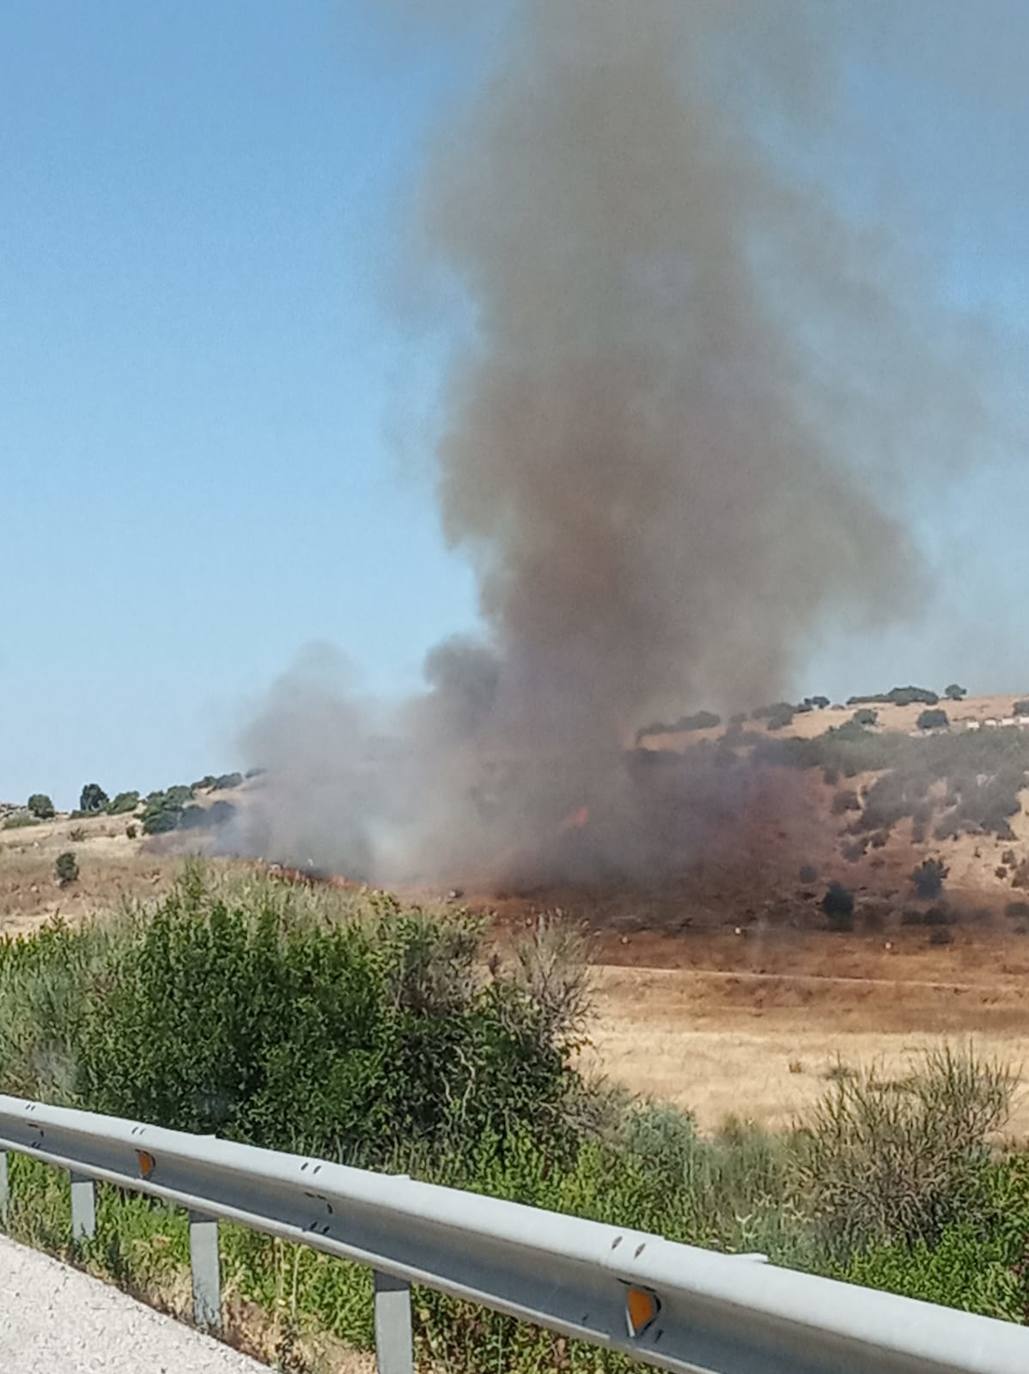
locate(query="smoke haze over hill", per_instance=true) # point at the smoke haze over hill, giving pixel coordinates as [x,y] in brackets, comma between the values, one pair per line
[678,437]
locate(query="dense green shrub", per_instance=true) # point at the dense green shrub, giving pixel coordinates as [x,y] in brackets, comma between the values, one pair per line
[41,806]
[928,877]
[897,696]
[955,692]
[163,810]
[230,1012]
[838,905]
[977,1261]
[66,868]
[864,715]
[122,803]
[898,1161]
[92,799]
[935,719]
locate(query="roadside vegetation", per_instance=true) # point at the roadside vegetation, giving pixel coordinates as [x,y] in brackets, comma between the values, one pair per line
[350,1025]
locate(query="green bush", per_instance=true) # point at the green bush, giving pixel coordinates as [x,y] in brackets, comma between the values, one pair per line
[163,810]
[227,1011]
[955,692]
[41,806]
[865,716]
[933,720]
[928,878]
[122,803]
[977,1262]
[92,799]
[66,868]
[899,1161]
[838,905]
[897,696]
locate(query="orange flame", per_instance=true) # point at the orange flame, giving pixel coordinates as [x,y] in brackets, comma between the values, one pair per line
[575,820]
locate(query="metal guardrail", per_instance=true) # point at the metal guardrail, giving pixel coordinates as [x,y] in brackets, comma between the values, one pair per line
[669,1305]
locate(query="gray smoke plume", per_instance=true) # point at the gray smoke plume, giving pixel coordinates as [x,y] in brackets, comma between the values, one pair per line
[678,438]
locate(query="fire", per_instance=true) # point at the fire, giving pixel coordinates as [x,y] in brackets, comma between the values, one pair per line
[575,820]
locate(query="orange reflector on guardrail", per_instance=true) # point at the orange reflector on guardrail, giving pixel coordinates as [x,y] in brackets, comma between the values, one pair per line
[147,1163]
[641,1308]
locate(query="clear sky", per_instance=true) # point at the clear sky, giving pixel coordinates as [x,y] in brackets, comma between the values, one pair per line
[203,372]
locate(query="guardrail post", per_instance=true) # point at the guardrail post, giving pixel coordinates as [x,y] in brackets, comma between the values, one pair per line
[203,1262]
[83,1207]
[5,1188]
[394,1349]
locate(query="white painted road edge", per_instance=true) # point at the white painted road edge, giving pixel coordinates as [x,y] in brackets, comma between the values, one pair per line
[57,1320]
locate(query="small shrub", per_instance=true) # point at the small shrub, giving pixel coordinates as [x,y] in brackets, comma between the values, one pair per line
[897,696]
[830,776]
[887,1161]
[161,820]
[780,716]
[66,868]
[873,916]
[1017,910]
[955,692]
[41,806]
[122,803]
[20,822]
[838,905]
[938,915]
[132,831]
[941,936]
[928,878]
[845,800]
[865,716]
[1021,707]
[226,781]
[700,720]
[933,720]
[77,834]
[808,873]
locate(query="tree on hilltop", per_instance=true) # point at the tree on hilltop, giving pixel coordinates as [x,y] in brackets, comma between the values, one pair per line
[93,798]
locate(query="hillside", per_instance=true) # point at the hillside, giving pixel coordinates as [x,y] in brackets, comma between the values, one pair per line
[723,985]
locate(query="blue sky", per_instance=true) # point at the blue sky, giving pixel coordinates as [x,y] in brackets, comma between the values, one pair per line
[203,370]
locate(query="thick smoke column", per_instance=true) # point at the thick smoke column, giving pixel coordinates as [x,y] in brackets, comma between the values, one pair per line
[675,444]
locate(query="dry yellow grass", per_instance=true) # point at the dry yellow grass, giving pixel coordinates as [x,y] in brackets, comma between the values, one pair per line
[111,866]
[761,1046]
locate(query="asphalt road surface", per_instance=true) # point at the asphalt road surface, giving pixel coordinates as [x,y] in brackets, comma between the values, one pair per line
[54,1320]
